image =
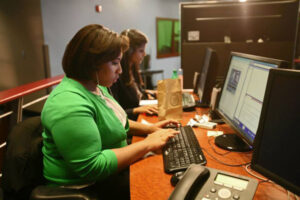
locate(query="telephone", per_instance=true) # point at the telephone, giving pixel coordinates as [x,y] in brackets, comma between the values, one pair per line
[204,183]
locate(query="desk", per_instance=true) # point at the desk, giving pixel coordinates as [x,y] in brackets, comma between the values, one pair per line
[148,180]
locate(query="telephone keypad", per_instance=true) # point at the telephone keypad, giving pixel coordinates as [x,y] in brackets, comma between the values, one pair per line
[224,193]
[236,196]
[213,190]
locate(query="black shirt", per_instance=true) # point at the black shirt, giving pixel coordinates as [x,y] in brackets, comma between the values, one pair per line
[127,96]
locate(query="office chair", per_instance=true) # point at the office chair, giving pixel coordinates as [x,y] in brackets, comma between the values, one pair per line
[23,167]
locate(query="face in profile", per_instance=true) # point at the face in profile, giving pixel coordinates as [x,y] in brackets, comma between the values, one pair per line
[138,55]
[109,72]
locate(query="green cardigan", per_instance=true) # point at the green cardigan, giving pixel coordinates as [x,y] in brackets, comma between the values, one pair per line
[79,131]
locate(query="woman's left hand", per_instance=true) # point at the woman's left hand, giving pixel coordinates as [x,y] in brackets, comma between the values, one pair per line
[164,123]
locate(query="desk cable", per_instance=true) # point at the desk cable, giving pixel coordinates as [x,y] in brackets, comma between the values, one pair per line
[262,180]
[296,196]
[291,193]
[223,163]
[256,176]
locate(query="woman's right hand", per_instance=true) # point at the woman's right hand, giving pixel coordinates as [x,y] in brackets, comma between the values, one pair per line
[159,138]
[152,109]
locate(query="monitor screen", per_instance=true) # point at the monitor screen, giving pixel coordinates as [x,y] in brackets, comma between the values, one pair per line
[276,145]
[243,93]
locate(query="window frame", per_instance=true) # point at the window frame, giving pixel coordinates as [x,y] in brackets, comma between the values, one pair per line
[173,52]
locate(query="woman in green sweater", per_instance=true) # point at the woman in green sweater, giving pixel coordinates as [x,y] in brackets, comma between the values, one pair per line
[85,129]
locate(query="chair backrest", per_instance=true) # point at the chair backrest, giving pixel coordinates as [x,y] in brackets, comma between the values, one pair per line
[23,161]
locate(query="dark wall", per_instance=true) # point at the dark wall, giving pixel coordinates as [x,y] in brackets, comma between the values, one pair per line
[260,27]
[192,55]
[21,43]
[22,46]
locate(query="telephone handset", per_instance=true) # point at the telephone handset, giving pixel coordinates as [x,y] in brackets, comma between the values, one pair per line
[190,184]
[199,182]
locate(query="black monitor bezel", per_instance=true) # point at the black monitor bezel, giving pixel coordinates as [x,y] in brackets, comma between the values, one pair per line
[210,76]
[257,141]
[279,63]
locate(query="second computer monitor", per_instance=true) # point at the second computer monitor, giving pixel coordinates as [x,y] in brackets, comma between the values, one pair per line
[207,78]
[276,146]
[242,97]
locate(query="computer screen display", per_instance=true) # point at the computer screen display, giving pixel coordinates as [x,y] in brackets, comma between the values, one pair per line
[276,145]
[243,93]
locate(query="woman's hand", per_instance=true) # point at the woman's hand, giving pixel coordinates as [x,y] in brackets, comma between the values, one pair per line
[152,94]
[163,123]
[159,138]
[152,109]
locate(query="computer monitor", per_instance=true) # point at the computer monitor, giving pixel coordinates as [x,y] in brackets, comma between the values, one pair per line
[242,97]
[276,145]
[207,78]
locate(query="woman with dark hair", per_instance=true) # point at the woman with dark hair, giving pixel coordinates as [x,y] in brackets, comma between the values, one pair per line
[129,89]
[85,129]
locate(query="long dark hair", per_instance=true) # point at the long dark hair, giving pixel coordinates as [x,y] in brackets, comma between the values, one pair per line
[131,73]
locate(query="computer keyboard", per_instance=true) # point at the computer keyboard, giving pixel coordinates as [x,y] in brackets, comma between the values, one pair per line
[182,150]
[188,101]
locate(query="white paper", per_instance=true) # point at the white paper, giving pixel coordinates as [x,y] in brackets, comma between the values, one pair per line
[145,122]
[214,133]
[148,102]
[193,35]
[188,90]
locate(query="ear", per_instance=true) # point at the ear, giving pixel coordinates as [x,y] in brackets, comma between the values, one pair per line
[130,51]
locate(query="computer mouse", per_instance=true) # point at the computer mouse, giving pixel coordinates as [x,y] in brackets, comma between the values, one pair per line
[170,125]
[153,114]
[176,178]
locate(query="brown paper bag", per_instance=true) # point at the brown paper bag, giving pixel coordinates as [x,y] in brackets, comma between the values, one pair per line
[169,96]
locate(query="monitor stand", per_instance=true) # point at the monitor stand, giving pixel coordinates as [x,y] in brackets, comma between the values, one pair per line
[201,105]
[215,117]
[232,142]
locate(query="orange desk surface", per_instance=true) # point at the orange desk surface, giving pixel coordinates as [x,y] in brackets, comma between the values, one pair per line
[149,182]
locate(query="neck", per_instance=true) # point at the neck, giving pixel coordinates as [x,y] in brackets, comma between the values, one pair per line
[90,86]
[131,64]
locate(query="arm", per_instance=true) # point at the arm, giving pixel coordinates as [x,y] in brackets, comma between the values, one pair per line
[79,143]
[131,114]
[149,109]
[75,139]
[140,129]
[152,94]
[131,153]
[137,128]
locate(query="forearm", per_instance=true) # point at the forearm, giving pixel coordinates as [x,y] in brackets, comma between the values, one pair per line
[131,153]
[137,128]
